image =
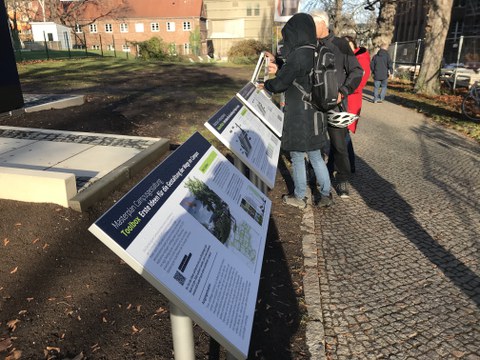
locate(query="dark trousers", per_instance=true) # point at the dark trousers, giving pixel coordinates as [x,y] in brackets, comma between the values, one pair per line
[338,159]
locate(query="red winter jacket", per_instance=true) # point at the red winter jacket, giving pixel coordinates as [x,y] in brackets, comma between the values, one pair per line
[355,99]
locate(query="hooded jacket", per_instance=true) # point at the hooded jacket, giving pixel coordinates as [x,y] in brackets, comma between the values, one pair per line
[381,65]
[304,129]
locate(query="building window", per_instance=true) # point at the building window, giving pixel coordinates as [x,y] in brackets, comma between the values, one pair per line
[187,26]
[125,48]
[123,27]
[78,29]
[110,47]
[251,11]
[170,26]
[154,27]
[95,47]
[186,48]
[108,28]
[139,28]
[93,28]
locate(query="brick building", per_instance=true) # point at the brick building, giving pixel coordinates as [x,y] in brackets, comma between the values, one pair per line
[129,21]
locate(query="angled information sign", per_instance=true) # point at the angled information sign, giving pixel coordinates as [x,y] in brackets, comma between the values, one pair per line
[248,138]
[195,228]
[262,106]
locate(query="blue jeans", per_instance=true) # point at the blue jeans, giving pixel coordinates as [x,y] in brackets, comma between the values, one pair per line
[300,172]
[376,85]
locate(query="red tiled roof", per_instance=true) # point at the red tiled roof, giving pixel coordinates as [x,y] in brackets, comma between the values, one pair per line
[145,8]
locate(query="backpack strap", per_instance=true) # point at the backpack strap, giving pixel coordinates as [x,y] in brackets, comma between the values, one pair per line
[306,96]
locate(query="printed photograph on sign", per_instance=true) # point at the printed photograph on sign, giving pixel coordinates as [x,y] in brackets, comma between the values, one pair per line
[284,9]
[209,210]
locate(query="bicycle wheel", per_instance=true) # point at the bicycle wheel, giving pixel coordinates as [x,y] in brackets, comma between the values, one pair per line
[471,108]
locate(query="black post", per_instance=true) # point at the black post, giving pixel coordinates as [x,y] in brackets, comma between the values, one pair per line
[10,90]
[101,46]
[46,45]
[85,42]
[114,49]
[68,44]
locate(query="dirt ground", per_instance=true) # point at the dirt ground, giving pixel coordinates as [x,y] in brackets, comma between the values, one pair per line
[64,295]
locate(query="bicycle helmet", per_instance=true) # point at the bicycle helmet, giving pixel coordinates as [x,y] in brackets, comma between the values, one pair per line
[340,119]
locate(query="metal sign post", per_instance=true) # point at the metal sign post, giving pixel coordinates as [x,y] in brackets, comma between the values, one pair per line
[182,333]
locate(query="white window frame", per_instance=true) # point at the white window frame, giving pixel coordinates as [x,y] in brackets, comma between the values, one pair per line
[155,27]
[187,26]
[108,28]
[170,26]
[123,27]
[93,28]
[186,48]
[78,29]
[139,28]
[126,48]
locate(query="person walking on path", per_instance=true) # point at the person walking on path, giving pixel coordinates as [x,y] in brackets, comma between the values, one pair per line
[355,99]
[349,74]
[381,66]
[304,129]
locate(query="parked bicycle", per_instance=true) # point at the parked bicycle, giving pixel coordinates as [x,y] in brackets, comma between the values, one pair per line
[471,103]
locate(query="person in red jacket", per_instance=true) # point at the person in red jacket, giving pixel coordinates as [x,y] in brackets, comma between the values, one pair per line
[355,99]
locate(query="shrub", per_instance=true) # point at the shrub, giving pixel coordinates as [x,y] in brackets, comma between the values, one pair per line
[154,48]
[246,51]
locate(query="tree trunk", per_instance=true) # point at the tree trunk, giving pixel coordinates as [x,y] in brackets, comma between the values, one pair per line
[385,23]
[436,30]
[338,17]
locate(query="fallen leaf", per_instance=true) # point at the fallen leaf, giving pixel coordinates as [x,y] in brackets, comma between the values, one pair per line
[53,348]
[45,246]
[129,306]
[134,329]
[5,344]
[14,270]
[35,241]
[14,355]
[139,307]
[78,357]
[161,310]
[12,324]
[18,224]
[5,242]
[29,299]
[104,320]
[22,312]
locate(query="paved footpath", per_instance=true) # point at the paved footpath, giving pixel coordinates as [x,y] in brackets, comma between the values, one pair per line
[399,261]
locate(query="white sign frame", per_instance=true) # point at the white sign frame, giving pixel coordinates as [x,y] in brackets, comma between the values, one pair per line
[262,106]
[165,232]
[241,131]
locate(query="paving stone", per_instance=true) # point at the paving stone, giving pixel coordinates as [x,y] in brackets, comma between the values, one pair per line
[400,264]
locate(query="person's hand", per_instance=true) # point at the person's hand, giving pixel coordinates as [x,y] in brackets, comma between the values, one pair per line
[272,66]
[260,86]
[339,98]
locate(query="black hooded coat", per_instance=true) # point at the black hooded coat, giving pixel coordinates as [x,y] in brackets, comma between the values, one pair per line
[304,129]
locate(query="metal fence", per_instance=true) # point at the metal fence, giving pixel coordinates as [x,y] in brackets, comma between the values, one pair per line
[459,53]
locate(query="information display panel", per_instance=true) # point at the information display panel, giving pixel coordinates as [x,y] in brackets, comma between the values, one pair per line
[240,130]
[195,228]
[262,106]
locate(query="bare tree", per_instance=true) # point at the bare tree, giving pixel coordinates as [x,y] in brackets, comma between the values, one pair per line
[438,22]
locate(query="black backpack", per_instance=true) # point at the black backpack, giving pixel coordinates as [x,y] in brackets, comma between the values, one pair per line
[324,93]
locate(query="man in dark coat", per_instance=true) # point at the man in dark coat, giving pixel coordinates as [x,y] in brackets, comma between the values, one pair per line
[304,129]
[349,75]
[381,66]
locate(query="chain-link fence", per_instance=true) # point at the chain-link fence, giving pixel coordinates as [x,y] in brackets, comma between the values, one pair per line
[461,59]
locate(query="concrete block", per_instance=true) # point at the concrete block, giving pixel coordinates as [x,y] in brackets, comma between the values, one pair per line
[37,186]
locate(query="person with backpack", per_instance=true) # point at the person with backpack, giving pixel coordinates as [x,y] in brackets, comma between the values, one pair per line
[382,67]
[304,128]
[349,75]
